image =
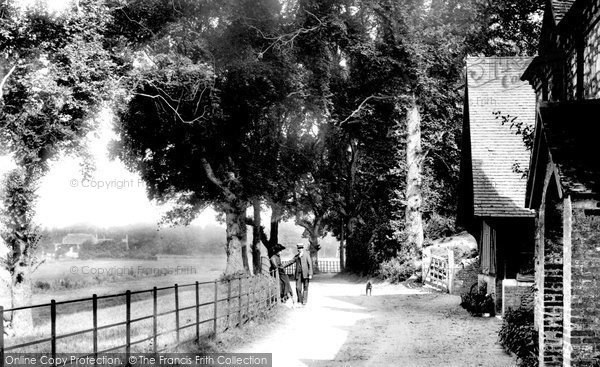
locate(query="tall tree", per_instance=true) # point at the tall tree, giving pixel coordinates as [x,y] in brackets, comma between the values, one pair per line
[56,75]
[373,63]
[196,124]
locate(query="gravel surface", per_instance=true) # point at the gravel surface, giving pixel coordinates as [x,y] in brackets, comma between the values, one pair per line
[396,326]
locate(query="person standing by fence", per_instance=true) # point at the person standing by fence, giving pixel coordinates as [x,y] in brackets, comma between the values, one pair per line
[304,273]
[285,287]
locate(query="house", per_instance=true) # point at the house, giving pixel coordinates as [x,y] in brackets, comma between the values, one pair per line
[492,186]
[564,184]
[72,243]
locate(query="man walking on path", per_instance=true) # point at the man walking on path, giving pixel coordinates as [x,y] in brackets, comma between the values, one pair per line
[304,273]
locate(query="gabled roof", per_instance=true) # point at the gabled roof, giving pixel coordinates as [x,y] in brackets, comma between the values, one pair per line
[560,8]
[569,129]
[495,89]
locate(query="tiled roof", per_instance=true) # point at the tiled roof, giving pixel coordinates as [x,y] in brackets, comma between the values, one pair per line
[560,8]
[494,86]
[569,129]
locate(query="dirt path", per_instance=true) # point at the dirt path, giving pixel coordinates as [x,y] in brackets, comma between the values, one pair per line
[397,326]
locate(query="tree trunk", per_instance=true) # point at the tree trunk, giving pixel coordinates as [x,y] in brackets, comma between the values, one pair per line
[237,257]
[313,248]
[19,234]
[256,259]
[276,215]
[342,249]
[21,296]
[314,232]
[414,222]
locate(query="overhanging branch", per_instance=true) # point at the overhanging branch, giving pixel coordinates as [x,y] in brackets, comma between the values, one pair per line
[4,80]
[213,178]
[361,106]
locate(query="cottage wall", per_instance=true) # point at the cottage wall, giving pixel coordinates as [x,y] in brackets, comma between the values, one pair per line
[567,253]
[582,296]
[553,282]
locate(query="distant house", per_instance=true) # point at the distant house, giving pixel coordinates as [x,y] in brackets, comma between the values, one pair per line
[564,184]
[73,241]
[492,188]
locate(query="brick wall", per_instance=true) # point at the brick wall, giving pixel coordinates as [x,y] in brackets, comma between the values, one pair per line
[553,282]
[538,309]
[567,251]
[584,323]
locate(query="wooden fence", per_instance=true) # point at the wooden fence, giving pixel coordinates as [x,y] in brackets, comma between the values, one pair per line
[325,266]
[223,303]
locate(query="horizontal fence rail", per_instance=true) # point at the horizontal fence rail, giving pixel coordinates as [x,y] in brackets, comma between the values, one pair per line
[151,320]
[324,266]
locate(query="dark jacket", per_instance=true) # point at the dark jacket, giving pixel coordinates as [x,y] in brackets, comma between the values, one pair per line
[276,262]
[304,266]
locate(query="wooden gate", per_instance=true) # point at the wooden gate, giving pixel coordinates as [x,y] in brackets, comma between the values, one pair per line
[440,274]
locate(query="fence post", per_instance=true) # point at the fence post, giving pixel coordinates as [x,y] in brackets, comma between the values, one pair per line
[240,302]
[269,293]
[127,324]
[177,312]
[228,301]
[250,299]
[197,312]
[1,336]
[450,269]
[155,319]
[278,287]
[215,308]
[95,325]
[53,330]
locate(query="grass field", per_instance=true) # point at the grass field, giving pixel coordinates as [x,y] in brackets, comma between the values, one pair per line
[75,279]
[68,279]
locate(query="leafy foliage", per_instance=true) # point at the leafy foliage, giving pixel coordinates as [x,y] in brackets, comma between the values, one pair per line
[56,73]
[396,270]
[503,28]
[478,302]
[518,335]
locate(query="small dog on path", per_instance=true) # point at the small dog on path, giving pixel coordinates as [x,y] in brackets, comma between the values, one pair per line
[369,288]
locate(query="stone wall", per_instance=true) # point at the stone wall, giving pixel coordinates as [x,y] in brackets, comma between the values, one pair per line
[465,275]
[516,294]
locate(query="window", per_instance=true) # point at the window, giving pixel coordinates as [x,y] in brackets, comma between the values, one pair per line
[488,249]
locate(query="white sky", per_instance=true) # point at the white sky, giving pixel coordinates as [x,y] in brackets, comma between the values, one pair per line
[113,197]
